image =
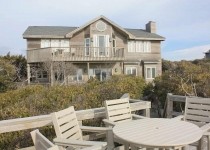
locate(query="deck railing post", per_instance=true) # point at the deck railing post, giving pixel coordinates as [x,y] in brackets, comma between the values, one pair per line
[146,112]
[169,107]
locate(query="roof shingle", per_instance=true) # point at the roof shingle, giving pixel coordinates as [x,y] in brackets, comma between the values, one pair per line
[60,31]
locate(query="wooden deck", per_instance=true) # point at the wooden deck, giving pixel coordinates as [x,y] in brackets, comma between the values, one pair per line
[18,124]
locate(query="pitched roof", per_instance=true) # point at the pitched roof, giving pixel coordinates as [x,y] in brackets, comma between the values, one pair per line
[47,31]
[62,32]
[140,33]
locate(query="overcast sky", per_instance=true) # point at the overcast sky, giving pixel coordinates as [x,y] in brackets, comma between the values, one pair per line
[184,23]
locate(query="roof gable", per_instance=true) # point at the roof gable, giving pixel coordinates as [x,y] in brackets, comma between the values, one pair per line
[96,19]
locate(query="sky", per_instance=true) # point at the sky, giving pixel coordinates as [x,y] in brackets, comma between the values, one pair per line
[184,23]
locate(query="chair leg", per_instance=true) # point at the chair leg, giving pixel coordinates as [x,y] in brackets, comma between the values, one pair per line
[110,140]
[208,142]
[200,144]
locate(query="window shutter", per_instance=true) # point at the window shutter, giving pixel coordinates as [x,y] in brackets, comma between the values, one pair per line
[107,45]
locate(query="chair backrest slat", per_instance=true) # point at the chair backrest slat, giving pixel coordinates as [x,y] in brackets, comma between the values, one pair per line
[118,110]
[197,110]
[66,124]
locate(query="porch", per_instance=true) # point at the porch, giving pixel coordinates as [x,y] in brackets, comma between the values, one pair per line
[75,53]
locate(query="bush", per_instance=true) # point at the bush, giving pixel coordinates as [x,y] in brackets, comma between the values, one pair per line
[40,100]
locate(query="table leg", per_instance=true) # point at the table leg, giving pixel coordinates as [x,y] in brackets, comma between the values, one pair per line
[126,146]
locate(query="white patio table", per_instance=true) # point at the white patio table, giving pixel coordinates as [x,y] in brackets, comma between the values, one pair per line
[157,133]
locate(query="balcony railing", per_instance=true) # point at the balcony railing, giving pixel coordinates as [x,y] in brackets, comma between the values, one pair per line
[76,53]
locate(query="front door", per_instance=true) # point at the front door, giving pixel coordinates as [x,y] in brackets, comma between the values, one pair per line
[101,45]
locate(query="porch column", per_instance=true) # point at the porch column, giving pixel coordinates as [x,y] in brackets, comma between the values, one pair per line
[28,73]
[51,74]
[64,74]
[88,67]
[123,69]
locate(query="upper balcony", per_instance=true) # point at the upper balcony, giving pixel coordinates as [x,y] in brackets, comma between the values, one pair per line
[76,53]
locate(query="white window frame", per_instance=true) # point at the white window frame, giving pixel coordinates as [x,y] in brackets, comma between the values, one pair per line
[151,73]
[131,70]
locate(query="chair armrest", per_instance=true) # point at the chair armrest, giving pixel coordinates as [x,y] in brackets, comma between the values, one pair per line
[77,143]
[93,148]
[109,123]
[134,116]
[205,127]
[95,129]
[181,117]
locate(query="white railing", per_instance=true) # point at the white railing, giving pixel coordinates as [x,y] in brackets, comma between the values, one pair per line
[169,111]
[75,53]
[45,120]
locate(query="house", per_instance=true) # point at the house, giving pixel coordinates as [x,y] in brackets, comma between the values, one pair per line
[99,48]
[207,54]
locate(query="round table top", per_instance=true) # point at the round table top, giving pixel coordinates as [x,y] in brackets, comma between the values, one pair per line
[158,132]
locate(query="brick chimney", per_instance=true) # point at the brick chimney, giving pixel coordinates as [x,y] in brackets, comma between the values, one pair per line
[151,27]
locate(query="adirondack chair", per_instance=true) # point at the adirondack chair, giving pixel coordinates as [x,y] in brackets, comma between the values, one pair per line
[197,111]
[42,143]
[118,111]
[68,131]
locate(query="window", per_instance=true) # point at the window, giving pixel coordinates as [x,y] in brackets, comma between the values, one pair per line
[100,44]
[78,76]
[87,47]
[54,43]
[45,43]
[139,46]
[64,43]
[150,72]
[41,74]
[114,47]
[131,46]
[147,46]
[131,71]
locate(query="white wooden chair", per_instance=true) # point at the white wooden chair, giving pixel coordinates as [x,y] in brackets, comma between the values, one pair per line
[68,130]
[197,111]
[118,111]
[41,142]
